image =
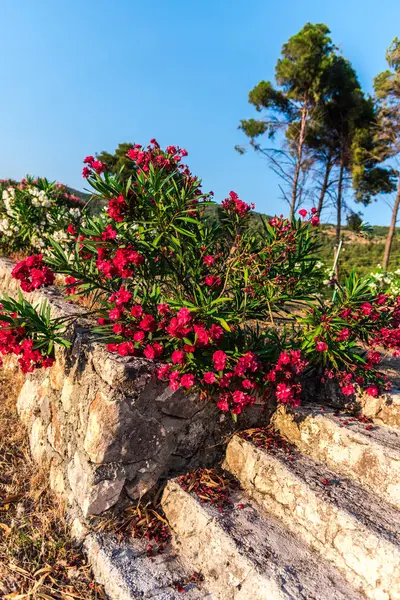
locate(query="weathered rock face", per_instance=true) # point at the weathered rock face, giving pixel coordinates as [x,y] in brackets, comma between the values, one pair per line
[104,424]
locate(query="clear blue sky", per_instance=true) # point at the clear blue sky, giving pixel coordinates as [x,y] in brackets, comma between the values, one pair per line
[80,77]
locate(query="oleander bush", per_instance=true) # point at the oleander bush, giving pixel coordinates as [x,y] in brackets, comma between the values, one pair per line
[33,211]
[230,310]
[386,281]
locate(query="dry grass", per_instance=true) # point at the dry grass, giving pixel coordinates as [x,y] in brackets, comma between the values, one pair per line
[37,557]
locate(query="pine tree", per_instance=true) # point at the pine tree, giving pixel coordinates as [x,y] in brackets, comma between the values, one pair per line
[387,92]
[300,76]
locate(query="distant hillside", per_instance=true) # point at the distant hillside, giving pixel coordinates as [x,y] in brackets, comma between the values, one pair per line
[363,254]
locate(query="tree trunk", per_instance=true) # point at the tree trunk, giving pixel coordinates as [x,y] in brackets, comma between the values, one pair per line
[304,115]
[324,187]
[392,229]
[339,214]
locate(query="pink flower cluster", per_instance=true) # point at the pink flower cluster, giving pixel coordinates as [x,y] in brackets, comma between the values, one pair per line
[283,376]
[13,341]
[234,380]
[314,218]
[117,208]
[154,155]
[233,205]
[93,165]
[118,262]
[33,273]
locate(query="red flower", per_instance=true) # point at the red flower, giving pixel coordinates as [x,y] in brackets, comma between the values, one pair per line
[163,371]
[176,329]
[137,311]
[184,316]
[32,273]
[153,351]
[366,308]
[284,392]
[126,349]
[174,380]
[98,166]
[212,280]
[158,349]
[223,402]
[163,309]
[284,358]
[321,347]
[233,205]
[202,338]
[209,377]
[348,390]
[117,208]
[247,384]
[71,229]
[138,336]
[115,314]
[187,381]
[343,335]
[315,221]
[303,213]
[209,260]
[178,357]
[149,353]
[69,282]
[109,233]
[123,296]
[372,390]
[239,397]
[148,323]
[219,360]
[216,333]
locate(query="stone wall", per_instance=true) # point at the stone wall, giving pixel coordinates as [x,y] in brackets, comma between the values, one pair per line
[107,429]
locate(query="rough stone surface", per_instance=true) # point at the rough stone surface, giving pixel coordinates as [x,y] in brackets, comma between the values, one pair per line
[92,497]
[127,573]
[112,430]
[372,458]
[243,556]
[348,525]
[384,410]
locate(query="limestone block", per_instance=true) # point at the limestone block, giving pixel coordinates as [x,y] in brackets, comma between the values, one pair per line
[56,478]
[93,498]
[372,458]
[32,393]
[384,410]
[245,557]
[37,441]
[67,394]
[117,433]
[355,530]
[57,371]
[56,431]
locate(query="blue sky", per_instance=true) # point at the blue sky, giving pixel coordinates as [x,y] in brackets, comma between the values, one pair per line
[80,77]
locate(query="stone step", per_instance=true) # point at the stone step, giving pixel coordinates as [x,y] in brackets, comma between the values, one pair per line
[383,410]
[244,556]
[368,454]
[348,525]
[127,573]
